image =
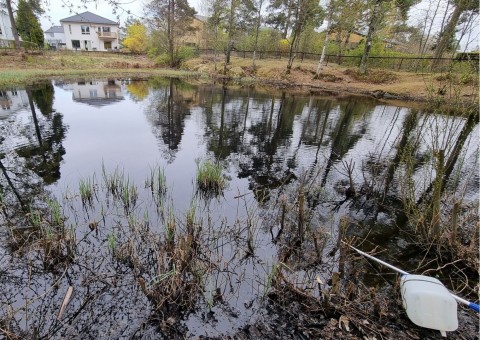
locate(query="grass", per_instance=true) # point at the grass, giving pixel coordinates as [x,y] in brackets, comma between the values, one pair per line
[16,77]
[20,69]
[210,177]
[157,182]
[25,69]
[86,187]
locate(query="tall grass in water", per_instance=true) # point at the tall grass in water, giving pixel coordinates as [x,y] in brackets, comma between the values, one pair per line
[86,187]
[428,185]
[112,181]
[56,218]
[128,194]
[120,187]
[210,177]
[157,182]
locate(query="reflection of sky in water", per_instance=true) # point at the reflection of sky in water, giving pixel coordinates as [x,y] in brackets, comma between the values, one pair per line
[262,139]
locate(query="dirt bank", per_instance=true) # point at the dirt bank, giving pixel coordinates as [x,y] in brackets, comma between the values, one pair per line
[381,84]
[25,68]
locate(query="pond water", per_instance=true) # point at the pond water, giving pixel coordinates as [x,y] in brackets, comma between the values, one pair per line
[295,166]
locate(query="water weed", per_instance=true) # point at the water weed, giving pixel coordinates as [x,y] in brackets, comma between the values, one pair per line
[86,187]
[210,176]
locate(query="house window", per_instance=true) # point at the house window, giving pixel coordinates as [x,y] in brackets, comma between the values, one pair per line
[75,43]
[1,30]
[70,28]
[93,94]
[107,45]
[85,29]
[106,29]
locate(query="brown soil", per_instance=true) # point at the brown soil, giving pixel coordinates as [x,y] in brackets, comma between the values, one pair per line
[379,83]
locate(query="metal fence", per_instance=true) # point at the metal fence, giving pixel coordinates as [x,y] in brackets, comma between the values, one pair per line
[408,64]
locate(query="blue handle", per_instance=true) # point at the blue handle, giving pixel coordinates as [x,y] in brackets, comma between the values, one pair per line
[474,306]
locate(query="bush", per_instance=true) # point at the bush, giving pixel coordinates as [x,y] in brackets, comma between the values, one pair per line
[183,53]
[373,76]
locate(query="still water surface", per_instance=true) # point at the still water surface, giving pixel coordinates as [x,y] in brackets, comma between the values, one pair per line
[55,135]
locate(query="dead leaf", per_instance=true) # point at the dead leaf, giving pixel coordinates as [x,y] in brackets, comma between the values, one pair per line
[345,322]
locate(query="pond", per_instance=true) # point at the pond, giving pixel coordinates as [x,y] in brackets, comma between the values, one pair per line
[100,191]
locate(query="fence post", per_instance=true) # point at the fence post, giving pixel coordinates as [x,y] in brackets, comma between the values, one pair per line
[400,65]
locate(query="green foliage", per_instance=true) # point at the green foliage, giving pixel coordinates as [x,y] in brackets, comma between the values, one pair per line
[27,23]
[210,176]
[269,39]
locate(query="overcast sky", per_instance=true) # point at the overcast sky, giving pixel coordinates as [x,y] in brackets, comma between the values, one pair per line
[61,9]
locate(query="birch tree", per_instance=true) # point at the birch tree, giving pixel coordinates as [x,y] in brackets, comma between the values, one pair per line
[461,6]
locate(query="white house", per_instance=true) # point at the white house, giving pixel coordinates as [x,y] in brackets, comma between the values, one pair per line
[6,35]
[91,32]
[55,37]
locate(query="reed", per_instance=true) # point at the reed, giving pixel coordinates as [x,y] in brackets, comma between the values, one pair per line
[86,187]
[55,212]
[112,242]
[210,177]
[157,182]
[128,194]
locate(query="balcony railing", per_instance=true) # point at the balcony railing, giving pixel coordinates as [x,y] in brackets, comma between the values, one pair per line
[107,35]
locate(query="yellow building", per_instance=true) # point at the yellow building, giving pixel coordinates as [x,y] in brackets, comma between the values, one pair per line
[196,36]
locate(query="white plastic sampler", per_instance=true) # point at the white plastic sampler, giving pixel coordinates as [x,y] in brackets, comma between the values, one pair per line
[428,303]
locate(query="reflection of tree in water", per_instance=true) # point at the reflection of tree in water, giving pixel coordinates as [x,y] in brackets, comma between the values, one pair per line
[26,169]
[343,135]
[225,116]
[268,165]
[259,128]
[138,90]
[169,105]
[44,151]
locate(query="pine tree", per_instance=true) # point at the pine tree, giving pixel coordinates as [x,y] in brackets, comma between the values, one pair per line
[27,22]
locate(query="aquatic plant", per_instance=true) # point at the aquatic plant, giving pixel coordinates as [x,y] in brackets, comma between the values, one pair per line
[86,187]
[128,194]
[157,182]
[210,176]
[56,218]
[111,242]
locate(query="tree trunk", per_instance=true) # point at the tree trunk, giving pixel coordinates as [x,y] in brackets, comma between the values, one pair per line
[257,31]
[14,25]
[231,21]
[170,28]
[371,31]
[446,35]
[325,42]
[293,46]
[430,29]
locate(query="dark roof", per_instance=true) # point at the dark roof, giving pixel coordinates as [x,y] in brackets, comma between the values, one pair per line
[90,18]
[55,29]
